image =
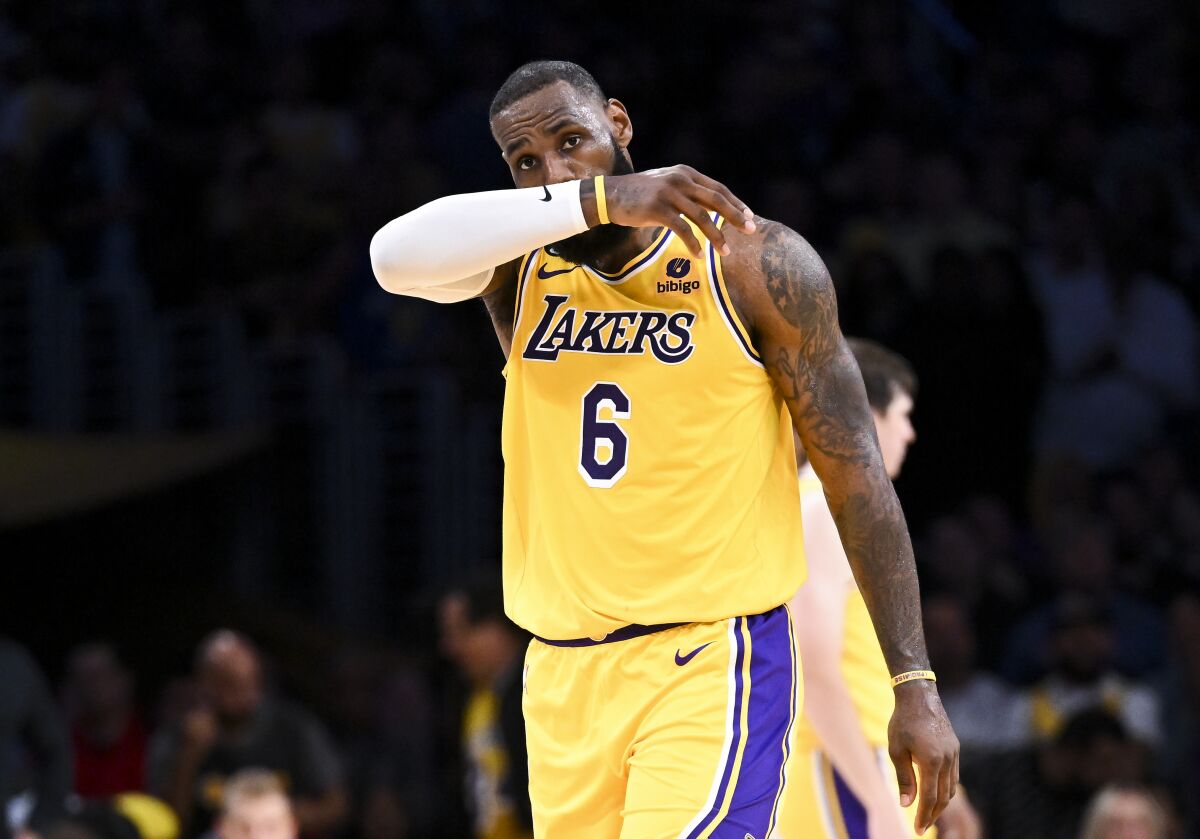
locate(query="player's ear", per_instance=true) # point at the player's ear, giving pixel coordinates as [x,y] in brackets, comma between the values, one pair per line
[622,125]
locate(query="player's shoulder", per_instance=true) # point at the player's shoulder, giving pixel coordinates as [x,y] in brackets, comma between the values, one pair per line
[773,263]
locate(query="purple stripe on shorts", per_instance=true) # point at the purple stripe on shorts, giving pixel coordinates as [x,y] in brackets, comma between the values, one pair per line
[752,808]
[787,736]
[854,815]
[735,741]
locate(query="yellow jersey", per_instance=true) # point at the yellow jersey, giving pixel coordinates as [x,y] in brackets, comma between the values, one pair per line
[863,666]
[649,463]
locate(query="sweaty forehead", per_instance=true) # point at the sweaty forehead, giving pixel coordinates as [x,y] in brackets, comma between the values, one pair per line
[543,112]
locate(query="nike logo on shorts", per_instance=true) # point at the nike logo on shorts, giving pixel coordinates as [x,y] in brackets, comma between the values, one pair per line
[684,659]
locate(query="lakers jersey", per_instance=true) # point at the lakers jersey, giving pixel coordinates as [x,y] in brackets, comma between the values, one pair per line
[649,462]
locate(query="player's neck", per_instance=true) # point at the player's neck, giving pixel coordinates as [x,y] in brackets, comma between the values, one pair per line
[629,245]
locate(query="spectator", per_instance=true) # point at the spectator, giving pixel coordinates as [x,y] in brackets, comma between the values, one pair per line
[487,648]
[255,805]
[235,727]
[1124,813]
[1122,344]
[107,733]
[382,725]
[959,558]
[127,816]
[982,708]
[1083,559]
[94,820]
[1043,790]
[1081,651]
[35,756]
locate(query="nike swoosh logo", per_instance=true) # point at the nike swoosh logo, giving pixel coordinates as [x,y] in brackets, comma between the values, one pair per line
[684,659]
[548,195]
[543,274]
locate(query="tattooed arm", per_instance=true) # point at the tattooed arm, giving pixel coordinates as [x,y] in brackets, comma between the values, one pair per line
[785,296]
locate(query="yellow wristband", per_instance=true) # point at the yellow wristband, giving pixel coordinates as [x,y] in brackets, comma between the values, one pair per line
[913,675]
[601,201]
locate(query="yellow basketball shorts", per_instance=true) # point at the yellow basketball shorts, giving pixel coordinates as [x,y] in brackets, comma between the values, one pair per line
[819,804]
[657,732]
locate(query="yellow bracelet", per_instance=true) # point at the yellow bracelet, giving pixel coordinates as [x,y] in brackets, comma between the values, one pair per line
[913,675]
[601,202]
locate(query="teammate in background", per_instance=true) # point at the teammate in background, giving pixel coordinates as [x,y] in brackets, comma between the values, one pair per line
[256,806]
[662,343]
[843,785]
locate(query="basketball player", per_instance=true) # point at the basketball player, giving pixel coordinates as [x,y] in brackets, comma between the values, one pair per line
[661,343]
[842,785]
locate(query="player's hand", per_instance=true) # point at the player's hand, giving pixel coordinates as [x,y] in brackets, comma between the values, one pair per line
[920,735]
[959,820]
[658,197]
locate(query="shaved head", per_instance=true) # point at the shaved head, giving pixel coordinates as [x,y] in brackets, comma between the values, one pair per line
[535,75]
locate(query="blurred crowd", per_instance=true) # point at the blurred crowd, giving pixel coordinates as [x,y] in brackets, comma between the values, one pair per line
[389,748]
[385,749]
[1008,194]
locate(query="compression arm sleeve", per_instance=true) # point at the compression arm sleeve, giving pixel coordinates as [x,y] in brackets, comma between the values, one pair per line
[447,250]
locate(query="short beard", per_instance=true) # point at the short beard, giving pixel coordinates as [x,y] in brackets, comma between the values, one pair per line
[588,247]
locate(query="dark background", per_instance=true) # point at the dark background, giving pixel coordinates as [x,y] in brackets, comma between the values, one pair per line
[211,415]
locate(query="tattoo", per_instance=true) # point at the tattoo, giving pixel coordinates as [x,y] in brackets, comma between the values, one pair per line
[801,289]
[832,414]
[816,373]
[875,537]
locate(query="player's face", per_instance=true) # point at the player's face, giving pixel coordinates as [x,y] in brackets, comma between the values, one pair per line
[559,134]
[268,817]
[896,432]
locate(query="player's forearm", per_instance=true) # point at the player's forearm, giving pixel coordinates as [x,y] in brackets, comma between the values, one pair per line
[875,536]
[826,396]
[793,307]
[446,250]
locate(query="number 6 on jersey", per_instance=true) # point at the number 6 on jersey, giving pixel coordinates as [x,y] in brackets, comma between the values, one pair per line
[597,432]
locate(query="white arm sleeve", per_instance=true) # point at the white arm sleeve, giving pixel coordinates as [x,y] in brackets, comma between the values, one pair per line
[447,250]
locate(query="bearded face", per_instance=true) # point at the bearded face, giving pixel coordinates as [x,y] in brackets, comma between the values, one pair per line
[588,247]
